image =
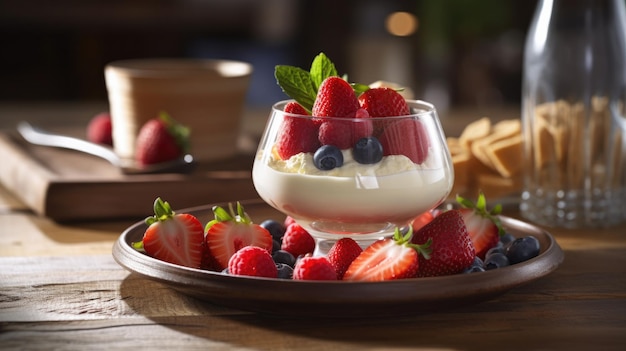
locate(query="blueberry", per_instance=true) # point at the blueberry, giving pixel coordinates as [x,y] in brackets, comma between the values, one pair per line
[275,245]
[522,249]
[328,157]
[493,250]
[476,266]
[367,150]
[284,271]
[473,269]
[507,238]
[497,260]
[276,228]
[282,256]
[478,262]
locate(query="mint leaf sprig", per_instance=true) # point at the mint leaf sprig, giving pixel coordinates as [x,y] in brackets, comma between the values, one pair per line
[301,85]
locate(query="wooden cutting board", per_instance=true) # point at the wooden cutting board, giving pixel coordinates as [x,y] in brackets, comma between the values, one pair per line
[66,185]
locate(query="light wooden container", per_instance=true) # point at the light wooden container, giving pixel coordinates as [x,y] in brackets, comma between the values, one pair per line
[205,95]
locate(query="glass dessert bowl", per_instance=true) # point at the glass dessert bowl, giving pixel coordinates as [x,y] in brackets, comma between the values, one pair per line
[353,177]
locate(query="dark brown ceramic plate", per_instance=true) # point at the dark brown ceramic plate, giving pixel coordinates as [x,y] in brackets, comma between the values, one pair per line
[337,299]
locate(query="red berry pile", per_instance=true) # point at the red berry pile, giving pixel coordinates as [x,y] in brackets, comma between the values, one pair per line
[328,99]
[438,243]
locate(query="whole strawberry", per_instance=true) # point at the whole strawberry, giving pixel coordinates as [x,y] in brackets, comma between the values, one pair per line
[99,129]
[383,102]
[342,253]
[252,261]
[297,240]
[230,232]
[387,259]
[335,98]
[483,226]
[173,238]
[451,250]
[314,268]
[406,137]
[297,134]
[161,139]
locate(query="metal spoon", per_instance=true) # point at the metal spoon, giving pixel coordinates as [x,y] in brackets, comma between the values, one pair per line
[41,137]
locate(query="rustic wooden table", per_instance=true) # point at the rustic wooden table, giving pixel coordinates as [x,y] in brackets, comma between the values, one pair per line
[61,289]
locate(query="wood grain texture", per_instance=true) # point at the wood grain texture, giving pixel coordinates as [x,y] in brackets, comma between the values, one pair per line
[79,302]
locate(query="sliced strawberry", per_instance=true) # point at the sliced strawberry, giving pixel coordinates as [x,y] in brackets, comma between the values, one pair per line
[173,238]
[483,226]
[335,98]
[421,220]
[297,134]
[342,253]
[387,259]
[161,139]
[451,250]
[383,102]
[229,232]
[406,137]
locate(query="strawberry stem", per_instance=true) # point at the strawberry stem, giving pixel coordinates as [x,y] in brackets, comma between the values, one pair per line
[221,215]
[162,211]
[480,207]
[405,240]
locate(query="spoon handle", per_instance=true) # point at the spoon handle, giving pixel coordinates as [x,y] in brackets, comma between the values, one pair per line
[41,137]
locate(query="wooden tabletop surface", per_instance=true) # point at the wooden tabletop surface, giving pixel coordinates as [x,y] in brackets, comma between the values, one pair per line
[60,289]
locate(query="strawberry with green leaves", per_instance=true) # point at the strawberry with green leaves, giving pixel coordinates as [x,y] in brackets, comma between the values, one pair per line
[451,248]
[229,232]
[483,225]
[173,238]
[301,85]
[161,139]
[388,259]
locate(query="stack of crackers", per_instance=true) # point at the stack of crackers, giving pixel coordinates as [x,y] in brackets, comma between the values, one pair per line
[487,157]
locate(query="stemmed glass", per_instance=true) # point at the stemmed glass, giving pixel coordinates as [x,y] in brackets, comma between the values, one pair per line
[391,170]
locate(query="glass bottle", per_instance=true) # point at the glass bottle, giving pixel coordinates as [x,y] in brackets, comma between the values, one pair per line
[574,124]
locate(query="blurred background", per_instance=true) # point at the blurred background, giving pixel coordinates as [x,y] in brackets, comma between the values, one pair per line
[454,53]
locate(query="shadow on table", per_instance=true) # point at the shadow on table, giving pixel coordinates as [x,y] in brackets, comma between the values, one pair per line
[453,328]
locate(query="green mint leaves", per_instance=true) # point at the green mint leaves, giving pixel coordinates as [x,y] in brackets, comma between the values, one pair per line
[301,85]
[321,68]
[297,84]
